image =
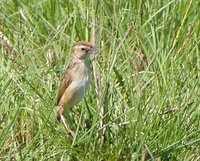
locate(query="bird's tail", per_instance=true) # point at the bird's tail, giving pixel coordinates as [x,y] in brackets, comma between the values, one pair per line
[59,112]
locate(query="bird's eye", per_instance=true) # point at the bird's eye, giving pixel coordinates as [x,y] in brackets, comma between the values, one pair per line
[83,49]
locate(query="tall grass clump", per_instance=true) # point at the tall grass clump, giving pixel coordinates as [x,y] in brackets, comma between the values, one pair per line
[143,102]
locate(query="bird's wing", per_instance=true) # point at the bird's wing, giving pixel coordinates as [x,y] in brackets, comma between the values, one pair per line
[66,81]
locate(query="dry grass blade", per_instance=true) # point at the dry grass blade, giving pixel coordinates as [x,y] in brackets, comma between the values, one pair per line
[96,73]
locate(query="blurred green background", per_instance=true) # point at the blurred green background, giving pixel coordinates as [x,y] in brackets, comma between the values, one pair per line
[145,79]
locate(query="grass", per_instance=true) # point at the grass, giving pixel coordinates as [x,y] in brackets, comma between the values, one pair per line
[147,66]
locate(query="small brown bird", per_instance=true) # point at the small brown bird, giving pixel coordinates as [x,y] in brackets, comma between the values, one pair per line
[75,81]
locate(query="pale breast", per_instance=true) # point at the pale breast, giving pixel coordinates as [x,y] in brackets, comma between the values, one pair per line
[80,88]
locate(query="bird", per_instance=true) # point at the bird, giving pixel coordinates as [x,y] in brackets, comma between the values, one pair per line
[75,81]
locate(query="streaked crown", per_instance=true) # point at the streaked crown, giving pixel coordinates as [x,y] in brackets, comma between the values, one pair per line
[82,49]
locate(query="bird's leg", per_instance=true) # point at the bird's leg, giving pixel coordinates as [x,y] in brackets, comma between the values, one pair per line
[70,132]
[60,117]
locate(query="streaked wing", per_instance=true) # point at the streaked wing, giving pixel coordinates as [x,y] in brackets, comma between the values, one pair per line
[66,81]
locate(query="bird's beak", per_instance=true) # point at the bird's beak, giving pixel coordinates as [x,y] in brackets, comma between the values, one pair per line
[94,49]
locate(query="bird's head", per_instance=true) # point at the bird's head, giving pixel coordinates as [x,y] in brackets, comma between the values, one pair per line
[82,49]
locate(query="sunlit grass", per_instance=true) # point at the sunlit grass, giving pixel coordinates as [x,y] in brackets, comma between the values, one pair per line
[148,66]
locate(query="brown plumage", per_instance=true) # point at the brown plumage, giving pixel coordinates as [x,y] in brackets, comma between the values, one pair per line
[75,81]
